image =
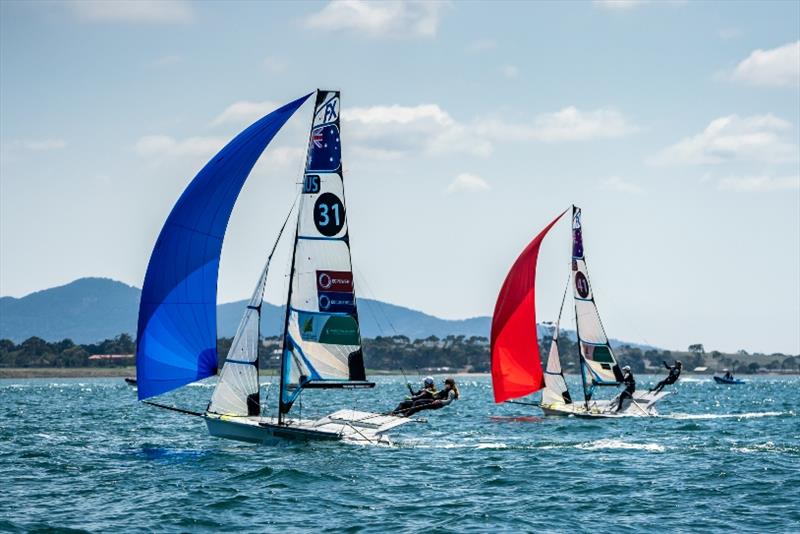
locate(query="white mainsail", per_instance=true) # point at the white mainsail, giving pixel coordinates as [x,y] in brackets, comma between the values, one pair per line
[598,365]
[322,340]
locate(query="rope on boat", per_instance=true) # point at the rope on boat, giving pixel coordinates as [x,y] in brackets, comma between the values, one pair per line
[174,409]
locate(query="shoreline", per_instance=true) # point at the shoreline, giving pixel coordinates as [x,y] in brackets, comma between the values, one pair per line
[123,372]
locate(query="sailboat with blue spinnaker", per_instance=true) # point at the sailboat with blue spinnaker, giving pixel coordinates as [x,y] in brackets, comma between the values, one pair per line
[322,349]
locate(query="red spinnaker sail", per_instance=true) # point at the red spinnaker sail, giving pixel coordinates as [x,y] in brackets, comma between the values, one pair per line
[516,366]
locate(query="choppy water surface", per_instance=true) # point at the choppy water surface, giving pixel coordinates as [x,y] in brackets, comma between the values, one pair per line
[83,454]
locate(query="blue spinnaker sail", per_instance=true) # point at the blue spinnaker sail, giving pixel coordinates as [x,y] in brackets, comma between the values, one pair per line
[177,332]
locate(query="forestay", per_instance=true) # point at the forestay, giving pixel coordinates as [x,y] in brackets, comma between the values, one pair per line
[555,387]
[322,341]
[237,392]
[177,330]
[598,365]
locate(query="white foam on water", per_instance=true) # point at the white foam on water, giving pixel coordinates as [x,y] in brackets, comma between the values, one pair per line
[619,444]
[762,447]
[492,446]
[749,415]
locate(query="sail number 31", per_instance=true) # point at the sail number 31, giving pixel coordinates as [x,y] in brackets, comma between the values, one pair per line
[328,214]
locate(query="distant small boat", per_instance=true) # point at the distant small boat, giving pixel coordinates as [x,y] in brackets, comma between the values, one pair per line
[130,381]
[723,380]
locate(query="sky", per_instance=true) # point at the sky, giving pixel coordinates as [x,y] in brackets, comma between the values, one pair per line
[466,128]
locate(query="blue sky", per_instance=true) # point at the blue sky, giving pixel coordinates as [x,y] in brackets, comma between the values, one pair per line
[467,127]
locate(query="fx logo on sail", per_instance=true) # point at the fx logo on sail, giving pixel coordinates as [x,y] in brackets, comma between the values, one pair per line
[328,112]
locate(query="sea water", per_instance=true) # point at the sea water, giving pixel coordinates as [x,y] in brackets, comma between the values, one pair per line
[83,454]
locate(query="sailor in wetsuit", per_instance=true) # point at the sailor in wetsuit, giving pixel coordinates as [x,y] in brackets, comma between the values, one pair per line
[672,377]
[630,386]
[441,399]
[425,394]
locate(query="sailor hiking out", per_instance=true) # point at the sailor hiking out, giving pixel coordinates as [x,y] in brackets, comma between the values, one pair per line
[672,377]
[428,400]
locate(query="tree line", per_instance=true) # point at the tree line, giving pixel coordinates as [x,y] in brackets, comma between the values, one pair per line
[393,353]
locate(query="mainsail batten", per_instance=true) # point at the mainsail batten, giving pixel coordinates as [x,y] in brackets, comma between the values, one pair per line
[177,327]
[516,366]
[322,338]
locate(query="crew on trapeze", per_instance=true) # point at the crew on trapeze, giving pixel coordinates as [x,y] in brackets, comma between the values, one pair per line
[672,377]
[630,386]
[428,398]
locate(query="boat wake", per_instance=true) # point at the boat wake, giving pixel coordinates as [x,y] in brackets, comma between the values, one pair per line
[749,415]
[601,444]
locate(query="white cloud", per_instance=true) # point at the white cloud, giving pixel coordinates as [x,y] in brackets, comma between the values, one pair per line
[151,11]
[758,184]
[393,131]
[390,18]
[244,112]
[384,132]
[467,183]
[161,146]
[615,183]
[568,124]
[481,45]
[509,71]
[753,138]
[778,67]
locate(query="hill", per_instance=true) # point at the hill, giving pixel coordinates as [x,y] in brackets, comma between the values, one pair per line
[89,310]
[92,309]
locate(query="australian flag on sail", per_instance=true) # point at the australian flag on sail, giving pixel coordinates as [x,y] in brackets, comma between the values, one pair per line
[325,150]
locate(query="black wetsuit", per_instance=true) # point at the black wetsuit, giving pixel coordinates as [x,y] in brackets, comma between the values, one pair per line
[630,387]
[672,377]
[421,396]
[439,400]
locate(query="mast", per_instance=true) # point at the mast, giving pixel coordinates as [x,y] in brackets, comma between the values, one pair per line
[321,335]
[597,360]
[587,393]
[238,391]
[284,352]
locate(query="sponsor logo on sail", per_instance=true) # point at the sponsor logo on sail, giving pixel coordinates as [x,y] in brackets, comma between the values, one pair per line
[334,302]
[338,281]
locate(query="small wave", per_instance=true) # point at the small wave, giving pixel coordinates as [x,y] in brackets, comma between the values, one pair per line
[491,446]
[749,415]
[764,447]
[619,444]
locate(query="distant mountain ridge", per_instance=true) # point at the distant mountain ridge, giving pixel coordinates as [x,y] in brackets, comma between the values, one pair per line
[88,310]
[92,309]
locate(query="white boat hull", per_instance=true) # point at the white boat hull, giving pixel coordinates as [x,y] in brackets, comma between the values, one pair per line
[643,405]
[344,425]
